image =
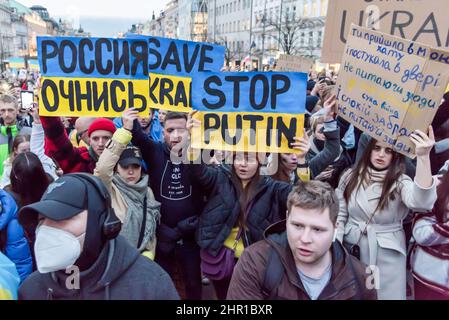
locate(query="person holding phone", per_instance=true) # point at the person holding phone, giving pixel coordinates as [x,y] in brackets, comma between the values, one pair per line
[10,127]
[26,105]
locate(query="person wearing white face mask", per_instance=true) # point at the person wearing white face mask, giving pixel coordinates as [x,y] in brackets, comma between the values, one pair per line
[57,248]
[79,254]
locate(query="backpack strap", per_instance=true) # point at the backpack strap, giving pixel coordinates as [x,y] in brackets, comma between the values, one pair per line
[357,280]
[144,222]
[273,275]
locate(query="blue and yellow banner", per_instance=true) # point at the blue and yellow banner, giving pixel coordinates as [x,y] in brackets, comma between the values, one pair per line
[102,77]
[33,64]
[257,111]
[16,63]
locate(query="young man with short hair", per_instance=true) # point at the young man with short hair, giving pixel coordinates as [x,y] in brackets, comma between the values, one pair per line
[10,127]
[76,159]
[310,265]
[181,201]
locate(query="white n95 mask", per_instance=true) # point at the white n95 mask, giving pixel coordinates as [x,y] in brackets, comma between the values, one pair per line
[55,249]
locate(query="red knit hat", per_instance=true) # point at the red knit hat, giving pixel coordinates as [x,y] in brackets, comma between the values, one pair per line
[101,124]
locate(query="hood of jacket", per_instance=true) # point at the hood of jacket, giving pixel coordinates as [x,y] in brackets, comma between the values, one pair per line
[115,258]
[8,209]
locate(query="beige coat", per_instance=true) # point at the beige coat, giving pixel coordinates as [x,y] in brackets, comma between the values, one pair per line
[105,171]
[383,246]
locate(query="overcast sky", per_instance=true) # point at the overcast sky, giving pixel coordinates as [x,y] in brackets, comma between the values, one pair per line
[139,9]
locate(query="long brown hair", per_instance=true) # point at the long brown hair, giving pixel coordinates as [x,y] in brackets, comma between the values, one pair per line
[357,176]
[441,205]
[246,195]
[16,142]
[282,173]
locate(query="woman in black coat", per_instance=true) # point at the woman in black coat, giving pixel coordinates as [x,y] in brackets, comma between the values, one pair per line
[241,204]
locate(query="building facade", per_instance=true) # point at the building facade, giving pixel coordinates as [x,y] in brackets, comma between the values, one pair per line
[154,27]
[229,25]
[51,24]
[20,32]
[166,24]
[36,27]
[241,25]
[171,20]
[272,17]
[192,20]
[6,33]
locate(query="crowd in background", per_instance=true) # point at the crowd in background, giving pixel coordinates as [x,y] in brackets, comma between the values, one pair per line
[392,212]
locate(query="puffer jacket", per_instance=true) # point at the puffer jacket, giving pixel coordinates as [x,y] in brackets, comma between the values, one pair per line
[9,279]
[13,241]
[347,280]
[222,210]
[59,147]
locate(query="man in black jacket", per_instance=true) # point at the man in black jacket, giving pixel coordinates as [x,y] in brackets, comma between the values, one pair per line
[78,252]
[181,201]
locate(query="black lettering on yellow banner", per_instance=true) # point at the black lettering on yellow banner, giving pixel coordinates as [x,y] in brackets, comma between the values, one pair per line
[93,97]
[170,93]
[253,132]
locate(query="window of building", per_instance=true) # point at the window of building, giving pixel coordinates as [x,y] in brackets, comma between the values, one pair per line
[315,12]
[323,8]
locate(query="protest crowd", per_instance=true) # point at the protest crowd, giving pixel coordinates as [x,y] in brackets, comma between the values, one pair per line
[125,208]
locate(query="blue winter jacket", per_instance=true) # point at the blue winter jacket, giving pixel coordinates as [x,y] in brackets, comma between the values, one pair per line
[156,131]
[9,279]
[16,248]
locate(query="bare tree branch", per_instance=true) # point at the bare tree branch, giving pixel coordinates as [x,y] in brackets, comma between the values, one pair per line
[290,30]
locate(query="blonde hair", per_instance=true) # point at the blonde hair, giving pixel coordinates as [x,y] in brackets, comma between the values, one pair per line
[314,195]
[314,122]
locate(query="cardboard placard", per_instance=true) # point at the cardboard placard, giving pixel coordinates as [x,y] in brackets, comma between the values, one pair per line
[293,63]
[422,21]
[256,111]
[388,87]
[102,77]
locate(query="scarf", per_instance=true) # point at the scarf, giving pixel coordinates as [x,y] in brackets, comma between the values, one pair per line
[134,196]
[92,154]
[374,176]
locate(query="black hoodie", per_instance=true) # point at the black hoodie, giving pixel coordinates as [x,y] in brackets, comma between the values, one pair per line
[119,273]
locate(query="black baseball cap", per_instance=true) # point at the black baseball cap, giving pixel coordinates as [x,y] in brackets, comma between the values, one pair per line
[310,85]
[63,199]
[131,155]
[311,102]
